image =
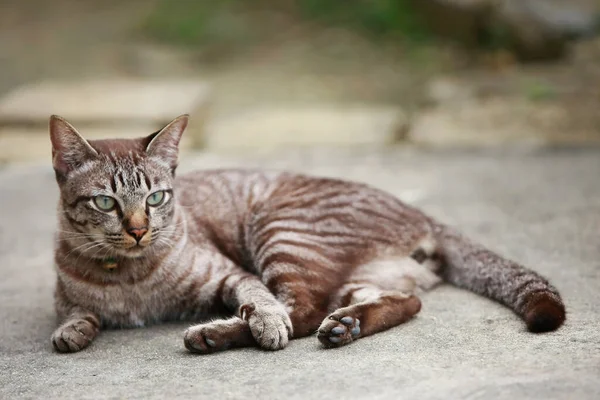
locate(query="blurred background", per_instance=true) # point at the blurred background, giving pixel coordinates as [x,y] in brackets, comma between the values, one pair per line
[260,75]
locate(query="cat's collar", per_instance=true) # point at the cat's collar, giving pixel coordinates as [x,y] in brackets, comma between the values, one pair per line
[110,263]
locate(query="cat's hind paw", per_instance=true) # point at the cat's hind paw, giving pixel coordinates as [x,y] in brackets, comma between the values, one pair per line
[338,330]
[218,336]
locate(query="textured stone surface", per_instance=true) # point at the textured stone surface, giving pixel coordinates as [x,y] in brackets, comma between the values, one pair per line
[104,101]
[18,145]
[107,105]
[499,121]
[321,124]
[541,208]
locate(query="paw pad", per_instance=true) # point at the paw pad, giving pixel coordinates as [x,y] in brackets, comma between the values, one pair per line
[336,331]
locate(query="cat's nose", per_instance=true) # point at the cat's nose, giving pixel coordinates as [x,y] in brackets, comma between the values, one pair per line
[137,233]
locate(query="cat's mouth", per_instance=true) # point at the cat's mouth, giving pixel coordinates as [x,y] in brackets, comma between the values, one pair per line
[129,249]
[128,246]
[133,250]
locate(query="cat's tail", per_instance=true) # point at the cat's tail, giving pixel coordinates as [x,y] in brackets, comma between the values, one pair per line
[471,266]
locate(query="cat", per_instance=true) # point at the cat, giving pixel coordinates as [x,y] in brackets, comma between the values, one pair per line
[276,255]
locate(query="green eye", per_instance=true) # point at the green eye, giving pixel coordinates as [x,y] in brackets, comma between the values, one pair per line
[156,198]
[105,203]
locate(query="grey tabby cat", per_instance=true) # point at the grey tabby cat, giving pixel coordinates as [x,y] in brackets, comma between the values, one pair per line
[279,255]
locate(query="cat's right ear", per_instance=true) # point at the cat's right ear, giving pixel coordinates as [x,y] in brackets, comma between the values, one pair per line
[164,144]
[69,149]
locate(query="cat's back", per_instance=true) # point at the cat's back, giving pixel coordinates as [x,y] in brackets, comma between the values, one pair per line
[225,187]
[241,189]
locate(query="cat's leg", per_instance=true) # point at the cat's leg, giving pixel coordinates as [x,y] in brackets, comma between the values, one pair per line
[366,309]
[377,296]
[261,319]
[219,335]
[78,329]
[303,286]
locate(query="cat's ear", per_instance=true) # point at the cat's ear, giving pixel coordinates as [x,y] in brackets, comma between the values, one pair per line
[165,143]
[69,149]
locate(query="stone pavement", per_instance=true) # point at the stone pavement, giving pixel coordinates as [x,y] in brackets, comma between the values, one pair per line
[97,107]
[539,207]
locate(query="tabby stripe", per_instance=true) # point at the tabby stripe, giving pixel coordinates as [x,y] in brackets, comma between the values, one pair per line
[374,214]
[311,217]
[79,200]
[75,224]
[263,241]
[330,236]
[192,292]
[121,177]
[277,282]
[232,283]
[394,208]
[79,277]
[306,203]
[221,289]
[311,198]
[306,191]
[291,238]
[303,252]
[113,184]
[180,278]
[529,281]
[291,259]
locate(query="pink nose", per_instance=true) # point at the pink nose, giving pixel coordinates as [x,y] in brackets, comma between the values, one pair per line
[137,233]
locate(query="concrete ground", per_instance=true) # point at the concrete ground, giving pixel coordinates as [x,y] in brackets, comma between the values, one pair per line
[539,207]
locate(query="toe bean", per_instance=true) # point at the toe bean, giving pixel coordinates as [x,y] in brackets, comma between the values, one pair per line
[338,330]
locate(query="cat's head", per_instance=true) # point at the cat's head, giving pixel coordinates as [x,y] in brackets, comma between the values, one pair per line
[116,195]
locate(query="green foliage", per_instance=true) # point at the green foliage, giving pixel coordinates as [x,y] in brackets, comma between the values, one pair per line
[373,17]
[196,22]
[200,22]
[539,91]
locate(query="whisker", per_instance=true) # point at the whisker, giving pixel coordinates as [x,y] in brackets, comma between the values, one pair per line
[103,247]
[80,247]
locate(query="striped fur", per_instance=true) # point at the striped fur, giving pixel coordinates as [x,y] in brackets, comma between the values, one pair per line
[283,255]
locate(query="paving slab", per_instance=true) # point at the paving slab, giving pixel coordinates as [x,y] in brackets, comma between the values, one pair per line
[275,127]
[114,107]
[31,144]
[501,121]
[539,207]
[103,101]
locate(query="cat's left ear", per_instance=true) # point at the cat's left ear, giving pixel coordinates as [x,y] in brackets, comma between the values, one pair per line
[165,143]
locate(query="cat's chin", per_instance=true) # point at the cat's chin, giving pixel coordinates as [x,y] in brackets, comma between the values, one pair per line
[132,252]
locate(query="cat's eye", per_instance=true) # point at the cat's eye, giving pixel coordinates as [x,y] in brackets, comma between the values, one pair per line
[156,198]
[105,203]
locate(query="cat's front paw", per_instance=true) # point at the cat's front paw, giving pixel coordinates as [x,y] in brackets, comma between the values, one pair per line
[270,325]
[73,335]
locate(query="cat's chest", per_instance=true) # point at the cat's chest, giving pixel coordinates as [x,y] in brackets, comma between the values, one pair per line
[127,305]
